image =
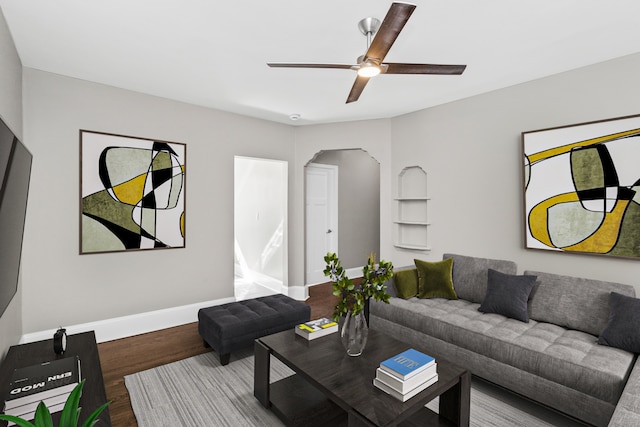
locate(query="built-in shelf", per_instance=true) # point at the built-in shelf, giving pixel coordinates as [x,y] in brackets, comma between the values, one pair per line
[412,210]
[412,247]
[412,222]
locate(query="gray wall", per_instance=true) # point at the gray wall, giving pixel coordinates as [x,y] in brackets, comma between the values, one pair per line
[64,288]
[11,114]
[472,153]
[470,149]
[358,204]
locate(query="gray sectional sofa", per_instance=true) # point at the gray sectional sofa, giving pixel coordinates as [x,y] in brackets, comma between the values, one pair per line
[553,359]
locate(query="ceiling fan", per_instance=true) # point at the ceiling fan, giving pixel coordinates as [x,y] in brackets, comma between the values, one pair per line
[370,64]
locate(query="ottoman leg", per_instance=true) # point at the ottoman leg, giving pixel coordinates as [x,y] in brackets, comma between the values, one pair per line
[224,358]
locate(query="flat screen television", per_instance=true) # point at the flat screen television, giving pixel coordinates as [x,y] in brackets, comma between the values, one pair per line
[15,173]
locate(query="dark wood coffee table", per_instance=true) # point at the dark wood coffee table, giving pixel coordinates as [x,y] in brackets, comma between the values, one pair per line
[332,388]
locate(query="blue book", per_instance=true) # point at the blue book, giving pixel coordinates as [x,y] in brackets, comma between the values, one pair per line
[407,364]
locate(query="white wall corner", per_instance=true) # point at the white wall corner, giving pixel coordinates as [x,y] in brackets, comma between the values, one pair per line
[296,292]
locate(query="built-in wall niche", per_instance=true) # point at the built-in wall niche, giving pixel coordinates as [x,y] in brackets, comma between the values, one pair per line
[412,222]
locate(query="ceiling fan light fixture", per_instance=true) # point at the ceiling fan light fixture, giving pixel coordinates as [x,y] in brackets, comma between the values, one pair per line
[368,69]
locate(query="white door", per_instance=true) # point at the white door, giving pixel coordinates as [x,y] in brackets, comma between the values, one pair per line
[321,218]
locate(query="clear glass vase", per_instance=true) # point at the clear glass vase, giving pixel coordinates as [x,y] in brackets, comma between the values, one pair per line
[354,333]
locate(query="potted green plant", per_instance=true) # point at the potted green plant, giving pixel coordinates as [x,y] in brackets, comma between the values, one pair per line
[68,418]
[354,297]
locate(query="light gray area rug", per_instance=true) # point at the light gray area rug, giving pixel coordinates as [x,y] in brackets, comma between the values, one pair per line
[200,392]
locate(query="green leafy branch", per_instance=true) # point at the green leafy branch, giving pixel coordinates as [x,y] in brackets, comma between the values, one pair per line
[69,417]
[353,297]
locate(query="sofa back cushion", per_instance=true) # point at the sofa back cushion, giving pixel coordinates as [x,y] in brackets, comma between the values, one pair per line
[573,302]
[470,275]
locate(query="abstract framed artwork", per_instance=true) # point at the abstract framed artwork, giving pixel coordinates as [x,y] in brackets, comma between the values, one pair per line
[581,188]
[132,193]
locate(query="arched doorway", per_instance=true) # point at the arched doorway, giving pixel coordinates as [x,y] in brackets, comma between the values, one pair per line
[358,213]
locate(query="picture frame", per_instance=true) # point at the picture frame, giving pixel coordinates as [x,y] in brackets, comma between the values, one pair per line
[581,188]
[132,193]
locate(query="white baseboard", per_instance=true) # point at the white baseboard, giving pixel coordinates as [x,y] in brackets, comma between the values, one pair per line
[354,272]
[135,324]
[350,272]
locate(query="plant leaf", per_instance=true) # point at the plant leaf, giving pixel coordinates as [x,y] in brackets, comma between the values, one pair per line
[71,410]
[93,418]
[42,416]
[353,297]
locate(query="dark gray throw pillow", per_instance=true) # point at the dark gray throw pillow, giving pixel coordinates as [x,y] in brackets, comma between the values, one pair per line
[508,295]
[622,331]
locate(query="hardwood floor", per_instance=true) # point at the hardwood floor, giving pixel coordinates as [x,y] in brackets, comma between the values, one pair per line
[134,354]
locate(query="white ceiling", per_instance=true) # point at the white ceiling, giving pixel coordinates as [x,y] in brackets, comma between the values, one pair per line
[214,53]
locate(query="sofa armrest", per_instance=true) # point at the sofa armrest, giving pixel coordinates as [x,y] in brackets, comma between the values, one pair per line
[627,412]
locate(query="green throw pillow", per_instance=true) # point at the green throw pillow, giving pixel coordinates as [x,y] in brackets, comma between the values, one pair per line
[435,279]
[406,283]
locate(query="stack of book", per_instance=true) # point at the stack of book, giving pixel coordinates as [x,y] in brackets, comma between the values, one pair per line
[406,374]
[316,328]
[49,382]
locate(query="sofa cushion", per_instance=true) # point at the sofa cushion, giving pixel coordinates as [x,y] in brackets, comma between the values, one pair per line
[470,274]
[435,279]
[508,295]
[391,289]
[627,411]
[568,357]
[623,330]
[405,283]
[572,302]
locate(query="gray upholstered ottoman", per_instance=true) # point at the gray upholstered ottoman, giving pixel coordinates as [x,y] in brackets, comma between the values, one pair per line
[232,326]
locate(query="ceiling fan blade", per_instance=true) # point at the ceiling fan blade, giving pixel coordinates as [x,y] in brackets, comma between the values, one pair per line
[357,88]
[389,30]
[400,68]
[282,65]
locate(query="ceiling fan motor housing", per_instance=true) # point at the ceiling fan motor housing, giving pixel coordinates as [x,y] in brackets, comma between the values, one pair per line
[369,26]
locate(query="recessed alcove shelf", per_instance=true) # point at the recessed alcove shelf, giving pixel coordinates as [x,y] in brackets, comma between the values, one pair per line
[412,210]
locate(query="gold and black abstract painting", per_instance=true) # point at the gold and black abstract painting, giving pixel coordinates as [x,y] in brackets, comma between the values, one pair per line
[132,193]
[582,188]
